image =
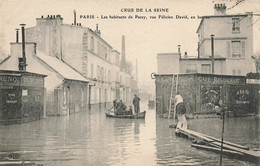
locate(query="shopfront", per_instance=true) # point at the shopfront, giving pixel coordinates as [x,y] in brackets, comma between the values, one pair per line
[21,96]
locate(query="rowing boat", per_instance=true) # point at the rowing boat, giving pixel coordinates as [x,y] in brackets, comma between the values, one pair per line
[140,115]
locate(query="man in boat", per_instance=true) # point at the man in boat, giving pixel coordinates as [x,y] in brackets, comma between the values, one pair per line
[129,112]
[136,102]
[115,102]
[121,107]
[180,110]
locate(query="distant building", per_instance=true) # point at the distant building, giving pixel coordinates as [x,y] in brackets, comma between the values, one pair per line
[168,63]
[88,53]
[173,63]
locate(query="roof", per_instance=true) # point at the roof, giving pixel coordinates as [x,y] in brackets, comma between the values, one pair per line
[201,74]
[220,58]
[175,53]
[20,73]
[60,67]
[214,16]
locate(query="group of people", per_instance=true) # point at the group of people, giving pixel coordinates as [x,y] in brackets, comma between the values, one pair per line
[121,109]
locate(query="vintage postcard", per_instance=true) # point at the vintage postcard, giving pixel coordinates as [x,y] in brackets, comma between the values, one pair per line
[138,82]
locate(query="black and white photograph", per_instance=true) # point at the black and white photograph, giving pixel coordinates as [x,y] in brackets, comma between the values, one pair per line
[129,83]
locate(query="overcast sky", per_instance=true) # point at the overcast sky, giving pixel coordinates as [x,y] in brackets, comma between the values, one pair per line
[144,38]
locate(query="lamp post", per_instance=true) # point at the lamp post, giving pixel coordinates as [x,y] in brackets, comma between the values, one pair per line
[212,52]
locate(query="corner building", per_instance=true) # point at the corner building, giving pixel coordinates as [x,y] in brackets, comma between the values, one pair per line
[233,39]
[86,52]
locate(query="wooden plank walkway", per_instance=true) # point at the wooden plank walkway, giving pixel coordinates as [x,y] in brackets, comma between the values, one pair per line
[203,141]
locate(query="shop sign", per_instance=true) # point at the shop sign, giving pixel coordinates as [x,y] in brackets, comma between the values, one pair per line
[32,81]
[220,80]
[9,80]
[253,81]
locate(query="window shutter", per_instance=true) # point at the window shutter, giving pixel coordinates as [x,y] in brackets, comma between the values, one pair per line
[228,50]
[243,48]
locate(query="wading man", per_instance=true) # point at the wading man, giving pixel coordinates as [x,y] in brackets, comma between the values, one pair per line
[180,110]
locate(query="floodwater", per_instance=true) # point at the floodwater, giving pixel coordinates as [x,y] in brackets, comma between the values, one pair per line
[89,138]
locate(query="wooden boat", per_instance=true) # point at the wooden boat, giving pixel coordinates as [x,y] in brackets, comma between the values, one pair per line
[140,115]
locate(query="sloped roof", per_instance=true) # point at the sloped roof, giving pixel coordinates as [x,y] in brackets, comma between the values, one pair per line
[60,67]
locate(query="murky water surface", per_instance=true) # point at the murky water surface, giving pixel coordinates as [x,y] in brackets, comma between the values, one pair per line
[89,138]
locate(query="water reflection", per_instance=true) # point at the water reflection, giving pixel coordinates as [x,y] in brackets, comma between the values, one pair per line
[89,138]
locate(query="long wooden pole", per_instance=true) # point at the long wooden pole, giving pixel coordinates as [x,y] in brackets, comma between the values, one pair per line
[222,137]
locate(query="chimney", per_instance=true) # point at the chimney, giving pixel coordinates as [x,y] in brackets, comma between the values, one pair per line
[123,54]
[22,61]
[75,21]
[17,35]
[97,31]
[179,50]
[220,9]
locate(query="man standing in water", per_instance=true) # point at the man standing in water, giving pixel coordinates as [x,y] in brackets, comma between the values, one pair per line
[180,110]
[136,101]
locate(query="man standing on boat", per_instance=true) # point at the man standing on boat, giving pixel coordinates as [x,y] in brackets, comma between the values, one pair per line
[136,102]
[180,110]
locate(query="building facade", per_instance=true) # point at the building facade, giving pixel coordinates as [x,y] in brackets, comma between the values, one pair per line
[233,39]
[173,63]
[233,47]
[88,53]
[66,89]
[209,77]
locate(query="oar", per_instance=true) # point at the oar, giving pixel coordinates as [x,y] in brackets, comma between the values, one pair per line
[109,109]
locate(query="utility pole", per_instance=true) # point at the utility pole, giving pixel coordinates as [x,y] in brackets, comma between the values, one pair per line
[222,136]
[212,53]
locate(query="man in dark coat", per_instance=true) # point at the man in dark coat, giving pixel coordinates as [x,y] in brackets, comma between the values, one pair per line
[121,108]
[136,101]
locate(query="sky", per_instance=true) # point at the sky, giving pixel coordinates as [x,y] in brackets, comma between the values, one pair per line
[144,39]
